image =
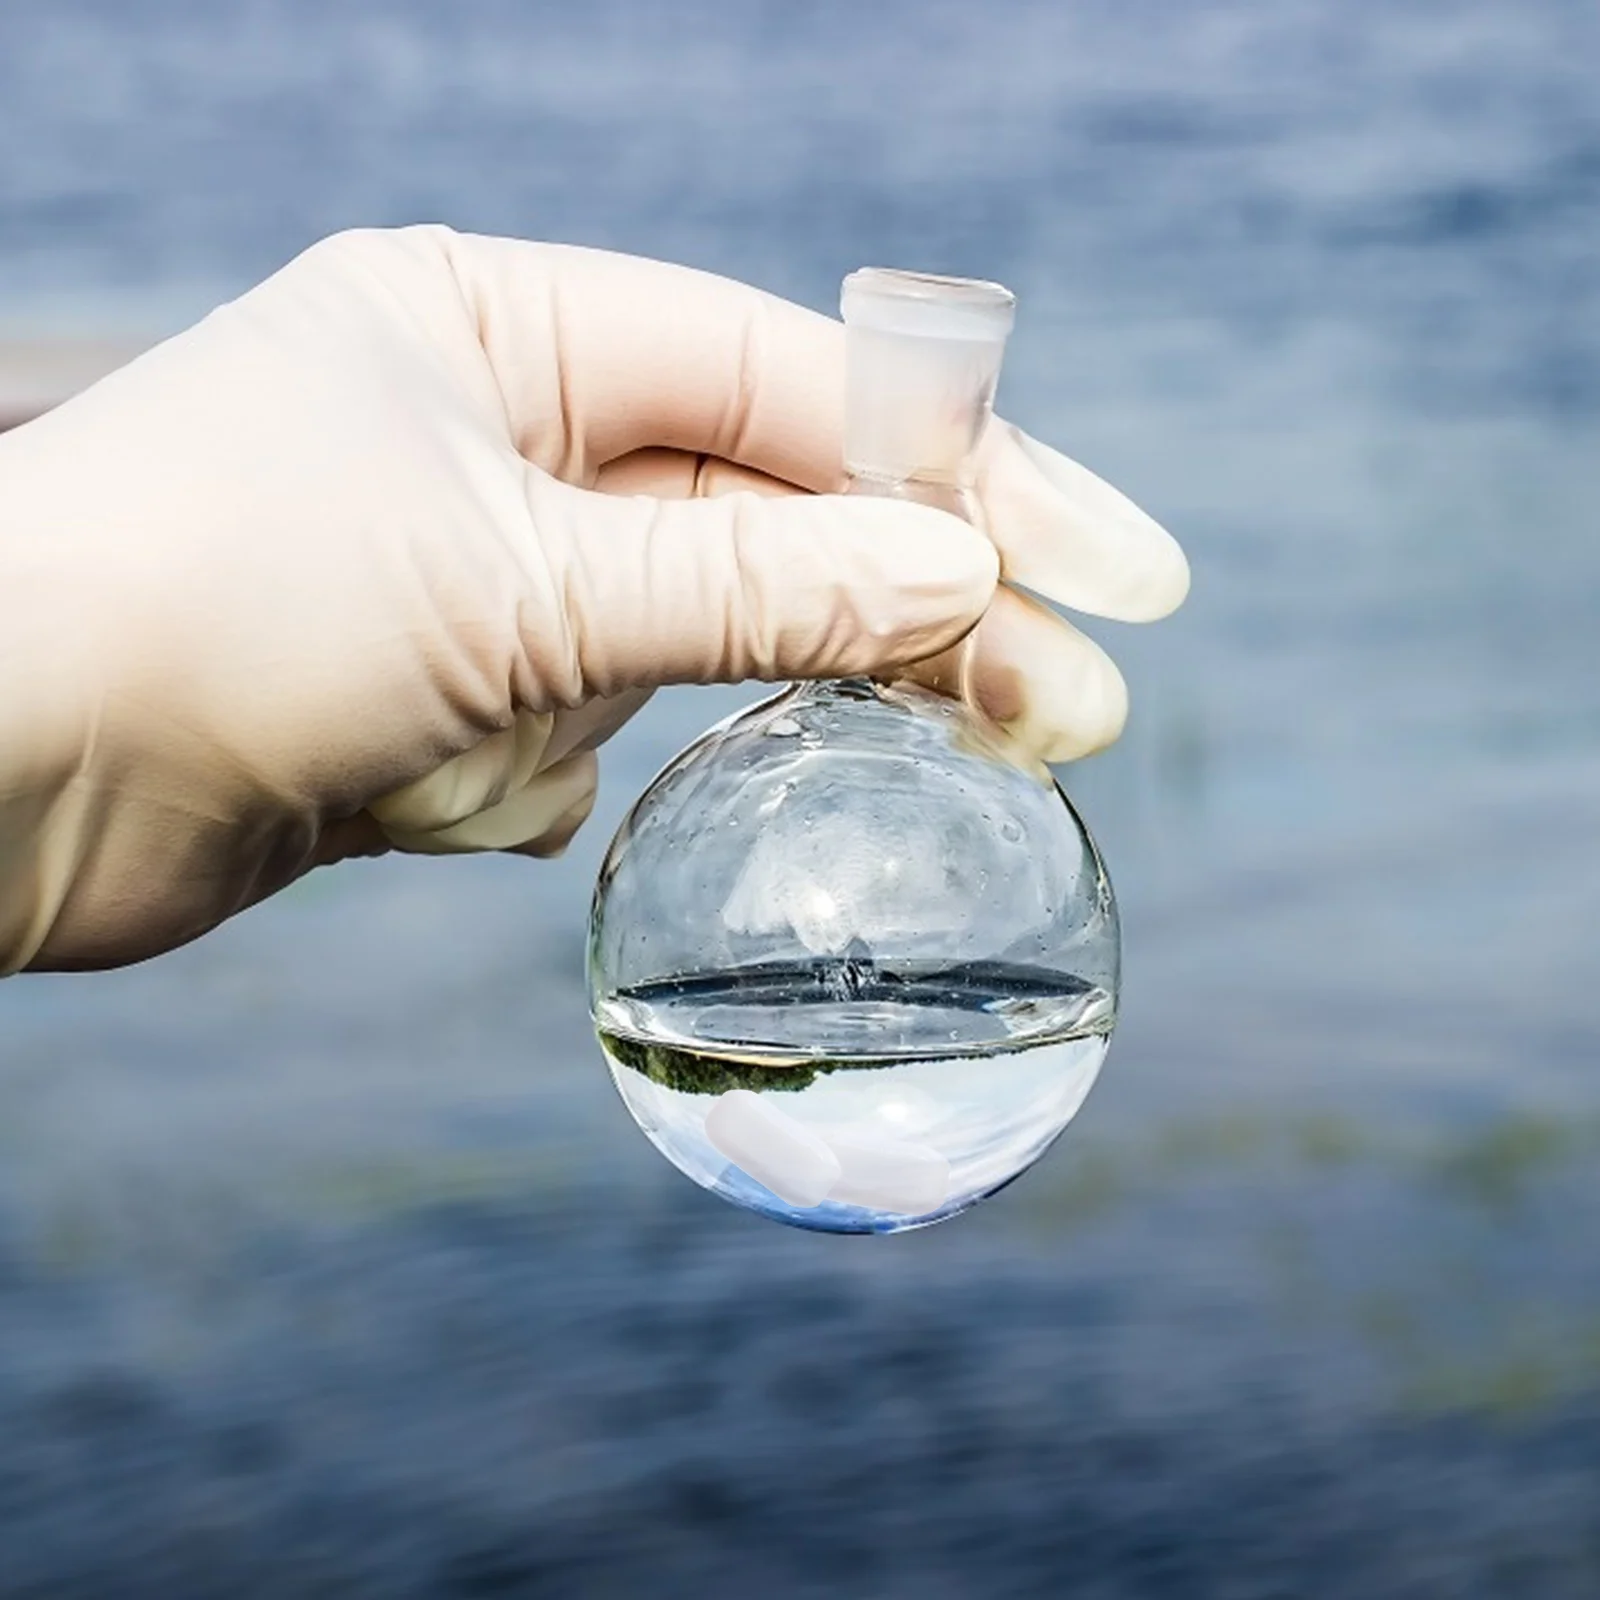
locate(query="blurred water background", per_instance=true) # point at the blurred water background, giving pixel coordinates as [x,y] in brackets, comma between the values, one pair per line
[329,1262]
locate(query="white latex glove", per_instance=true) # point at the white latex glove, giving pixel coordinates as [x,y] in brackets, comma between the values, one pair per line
[329,572]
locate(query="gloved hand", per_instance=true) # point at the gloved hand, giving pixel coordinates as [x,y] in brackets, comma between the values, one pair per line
[378,554]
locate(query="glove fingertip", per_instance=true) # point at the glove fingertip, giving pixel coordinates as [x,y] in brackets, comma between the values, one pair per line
[1068,534]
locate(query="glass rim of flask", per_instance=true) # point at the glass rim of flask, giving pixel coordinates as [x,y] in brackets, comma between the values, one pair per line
[927,305]
[906,284]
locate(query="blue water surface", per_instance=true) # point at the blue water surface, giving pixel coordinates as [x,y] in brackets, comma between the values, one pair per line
[328,1261]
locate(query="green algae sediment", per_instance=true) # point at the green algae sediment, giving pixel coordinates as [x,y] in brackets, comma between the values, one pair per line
[692,1072]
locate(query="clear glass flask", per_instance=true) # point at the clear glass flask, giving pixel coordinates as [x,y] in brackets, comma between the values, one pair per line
[853,956]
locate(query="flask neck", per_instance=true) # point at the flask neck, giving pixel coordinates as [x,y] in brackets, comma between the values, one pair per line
[952,493]
[942,494]
[916,409]
[922,358]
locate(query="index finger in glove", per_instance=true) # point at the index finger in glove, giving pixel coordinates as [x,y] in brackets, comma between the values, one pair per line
[598,355]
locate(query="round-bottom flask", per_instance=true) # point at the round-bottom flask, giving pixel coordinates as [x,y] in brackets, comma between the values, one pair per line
[853,957]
